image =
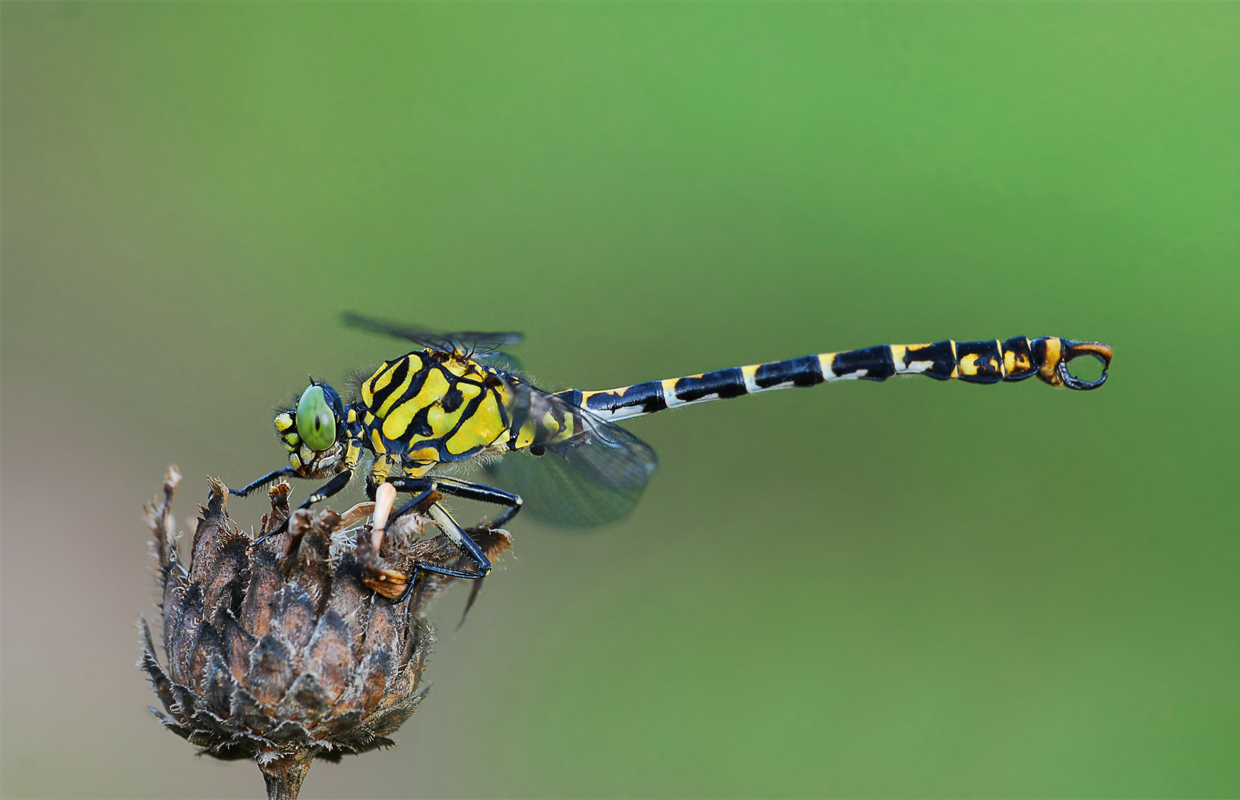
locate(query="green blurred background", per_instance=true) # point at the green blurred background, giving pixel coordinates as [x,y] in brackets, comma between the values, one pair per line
[865,590]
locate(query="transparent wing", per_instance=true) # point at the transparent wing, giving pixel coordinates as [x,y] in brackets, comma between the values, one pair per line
[501,361]
[593,479]
[466,343]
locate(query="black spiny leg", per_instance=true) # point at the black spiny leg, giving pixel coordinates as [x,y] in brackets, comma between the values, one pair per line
[286,472]
[322,493]
[462,489]
[461,539]
[418,498]
[422,489]
[483,494]
[469,491]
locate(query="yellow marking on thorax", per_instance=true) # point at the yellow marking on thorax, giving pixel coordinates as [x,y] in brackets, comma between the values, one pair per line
[381,378]
[483,428]
[433,389]
[462,368]
[428,456]
[551,424]
[525,437]
[569,429]
[441,421]
[397,393]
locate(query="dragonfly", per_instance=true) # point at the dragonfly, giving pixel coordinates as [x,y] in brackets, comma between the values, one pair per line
[460,398]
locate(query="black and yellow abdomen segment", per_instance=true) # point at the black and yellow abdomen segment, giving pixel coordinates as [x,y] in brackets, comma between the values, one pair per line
[430,408]
[989,361]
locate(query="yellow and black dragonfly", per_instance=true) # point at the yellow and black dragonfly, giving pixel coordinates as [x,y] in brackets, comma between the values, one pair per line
[458,398]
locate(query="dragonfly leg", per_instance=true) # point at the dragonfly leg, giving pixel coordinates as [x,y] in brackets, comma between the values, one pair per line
[418,498]
[484,494]
[462,540]
[322,493]
[286,472]
[420,488]
[463,489]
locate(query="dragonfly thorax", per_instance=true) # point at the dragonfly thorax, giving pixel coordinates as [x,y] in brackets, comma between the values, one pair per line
[430,407]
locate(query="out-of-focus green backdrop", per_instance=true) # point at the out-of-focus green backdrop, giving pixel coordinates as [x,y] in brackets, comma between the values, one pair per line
[907,589]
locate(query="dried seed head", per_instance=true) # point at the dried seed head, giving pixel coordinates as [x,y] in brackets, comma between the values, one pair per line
[292,649]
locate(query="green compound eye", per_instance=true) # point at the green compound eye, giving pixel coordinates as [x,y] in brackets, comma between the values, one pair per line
[315,422]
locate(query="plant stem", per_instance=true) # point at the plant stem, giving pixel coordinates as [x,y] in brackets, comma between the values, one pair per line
[285,774]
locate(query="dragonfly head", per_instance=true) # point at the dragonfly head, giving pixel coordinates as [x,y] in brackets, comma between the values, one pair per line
[312,432]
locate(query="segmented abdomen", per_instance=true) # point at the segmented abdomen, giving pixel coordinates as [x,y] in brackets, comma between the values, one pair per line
[988,361]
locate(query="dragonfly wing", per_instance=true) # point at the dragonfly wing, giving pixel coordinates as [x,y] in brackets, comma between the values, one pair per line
[588,481]
[466,342]
[501,361]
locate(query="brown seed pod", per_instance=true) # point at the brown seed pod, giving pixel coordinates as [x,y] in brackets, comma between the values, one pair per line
[283,652]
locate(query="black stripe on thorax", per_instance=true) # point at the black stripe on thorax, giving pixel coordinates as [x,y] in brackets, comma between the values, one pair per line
[471,409]
[803,371]
[419,426]
[398,372]
[398,377]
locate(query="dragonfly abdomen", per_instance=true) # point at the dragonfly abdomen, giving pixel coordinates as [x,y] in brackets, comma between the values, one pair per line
[989,361]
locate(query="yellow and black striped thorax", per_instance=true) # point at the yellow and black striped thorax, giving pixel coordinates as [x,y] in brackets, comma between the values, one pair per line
[431,407]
